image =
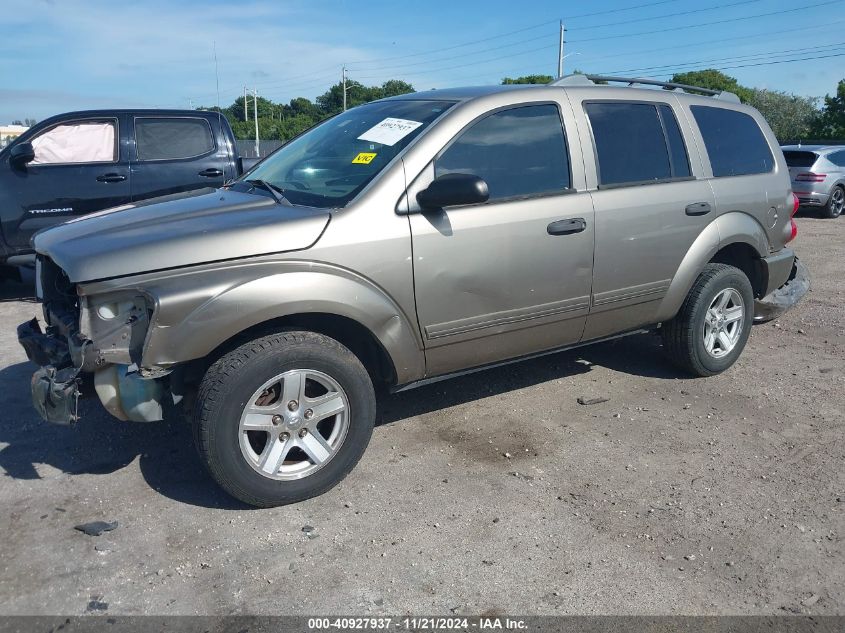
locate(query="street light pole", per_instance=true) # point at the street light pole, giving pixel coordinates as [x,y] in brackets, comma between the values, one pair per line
[560,55]
[255,113]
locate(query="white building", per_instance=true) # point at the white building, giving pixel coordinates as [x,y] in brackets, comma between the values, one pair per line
[10,132]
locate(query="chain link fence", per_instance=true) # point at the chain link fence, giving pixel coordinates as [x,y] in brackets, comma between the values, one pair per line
[246,148]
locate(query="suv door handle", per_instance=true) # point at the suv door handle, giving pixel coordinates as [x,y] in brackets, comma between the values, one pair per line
[567,227]
[698,208]
[111,178]
[211,173]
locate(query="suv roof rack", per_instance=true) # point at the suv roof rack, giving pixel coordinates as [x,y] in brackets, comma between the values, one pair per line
[586,80]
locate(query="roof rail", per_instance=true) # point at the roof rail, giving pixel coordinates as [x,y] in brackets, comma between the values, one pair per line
[583,80]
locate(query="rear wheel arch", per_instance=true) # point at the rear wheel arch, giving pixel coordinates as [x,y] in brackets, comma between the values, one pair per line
[734,238]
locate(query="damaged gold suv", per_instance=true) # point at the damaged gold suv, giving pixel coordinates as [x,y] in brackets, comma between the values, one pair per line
[408,240]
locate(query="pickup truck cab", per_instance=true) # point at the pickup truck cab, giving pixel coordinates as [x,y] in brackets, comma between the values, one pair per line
[408,240]
[80,162]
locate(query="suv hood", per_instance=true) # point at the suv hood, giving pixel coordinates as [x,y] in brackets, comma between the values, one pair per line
[181,230]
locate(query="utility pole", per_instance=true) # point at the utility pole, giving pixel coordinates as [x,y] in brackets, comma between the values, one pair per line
[343,74]
[560,51]
[246,110]
[255,116]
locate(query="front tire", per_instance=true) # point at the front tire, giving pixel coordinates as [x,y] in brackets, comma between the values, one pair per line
[284,417]
[835,203]
[712,327]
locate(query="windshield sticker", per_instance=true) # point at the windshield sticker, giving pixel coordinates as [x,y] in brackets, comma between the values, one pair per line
[364,158]
[390,131]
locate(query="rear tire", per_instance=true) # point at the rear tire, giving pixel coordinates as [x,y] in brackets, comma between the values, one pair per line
[711,329]
[835,203]
[284,417]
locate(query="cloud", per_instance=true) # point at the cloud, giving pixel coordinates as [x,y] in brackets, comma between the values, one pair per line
[163,51]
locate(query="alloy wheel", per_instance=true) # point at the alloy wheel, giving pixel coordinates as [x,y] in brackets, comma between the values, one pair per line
[723,323]
[294,424]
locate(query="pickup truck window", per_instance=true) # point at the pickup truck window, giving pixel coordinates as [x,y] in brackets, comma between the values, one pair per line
[159,138]
[76,142]
[518,152]
[331,163]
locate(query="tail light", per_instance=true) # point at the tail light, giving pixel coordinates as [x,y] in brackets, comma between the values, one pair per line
[793,228]
[810,177]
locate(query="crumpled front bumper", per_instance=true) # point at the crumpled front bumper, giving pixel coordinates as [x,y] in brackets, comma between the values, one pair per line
[782,299]
[55,392]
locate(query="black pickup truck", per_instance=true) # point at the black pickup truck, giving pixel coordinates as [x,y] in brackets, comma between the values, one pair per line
[80,162]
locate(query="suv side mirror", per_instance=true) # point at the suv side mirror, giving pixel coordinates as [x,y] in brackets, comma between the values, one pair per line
[21,154]
[453,189]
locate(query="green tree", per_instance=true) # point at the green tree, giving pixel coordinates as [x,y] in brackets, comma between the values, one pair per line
[395,87]
[791,117]
[714,80]
[527,79]
[831,122]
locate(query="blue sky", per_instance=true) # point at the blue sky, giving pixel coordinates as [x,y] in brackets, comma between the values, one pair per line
[58,55]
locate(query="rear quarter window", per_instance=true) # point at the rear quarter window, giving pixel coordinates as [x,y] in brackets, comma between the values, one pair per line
[837,158]
[735,143]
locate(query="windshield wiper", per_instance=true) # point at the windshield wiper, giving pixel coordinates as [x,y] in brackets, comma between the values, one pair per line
[276,192]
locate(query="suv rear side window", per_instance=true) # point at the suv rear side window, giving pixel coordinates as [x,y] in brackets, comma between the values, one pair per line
[518,152]
[735,144]
[837,158]
[637,143]
[800,159]
[172,138]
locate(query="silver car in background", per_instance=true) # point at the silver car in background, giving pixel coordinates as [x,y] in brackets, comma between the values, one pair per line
[818,176]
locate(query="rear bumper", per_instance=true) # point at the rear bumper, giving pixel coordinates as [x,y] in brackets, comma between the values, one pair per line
[812,198]
[783,298]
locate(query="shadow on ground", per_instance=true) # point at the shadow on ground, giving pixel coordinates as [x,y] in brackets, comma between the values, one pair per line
[18,290]
[99,444]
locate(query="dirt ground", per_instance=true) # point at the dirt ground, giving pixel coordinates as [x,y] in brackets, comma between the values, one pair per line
[493,493]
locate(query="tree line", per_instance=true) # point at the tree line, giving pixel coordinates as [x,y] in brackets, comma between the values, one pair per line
[792,117]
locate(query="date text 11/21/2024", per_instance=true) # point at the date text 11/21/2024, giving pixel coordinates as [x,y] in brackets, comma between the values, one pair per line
[421,623]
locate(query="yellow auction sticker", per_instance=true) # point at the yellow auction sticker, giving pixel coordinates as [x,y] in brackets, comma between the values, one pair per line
[364,158]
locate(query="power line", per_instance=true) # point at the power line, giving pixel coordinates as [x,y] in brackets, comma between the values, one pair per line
[707,42]
[543,37]
[548,47]
[771,63]
[700,24]
[668,15]
[738,58]
[528,28]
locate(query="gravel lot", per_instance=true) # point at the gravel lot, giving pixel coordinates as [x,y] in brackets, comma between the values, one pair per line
[495,493]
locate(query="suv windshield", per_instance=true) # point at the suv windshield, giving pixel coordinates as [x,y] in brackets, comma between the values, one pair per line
[330,164]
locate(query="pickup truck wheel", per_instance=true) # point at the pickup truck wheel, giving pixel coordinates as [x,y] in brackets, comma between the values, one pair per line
[710,331]
[835,203]
[284,417]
